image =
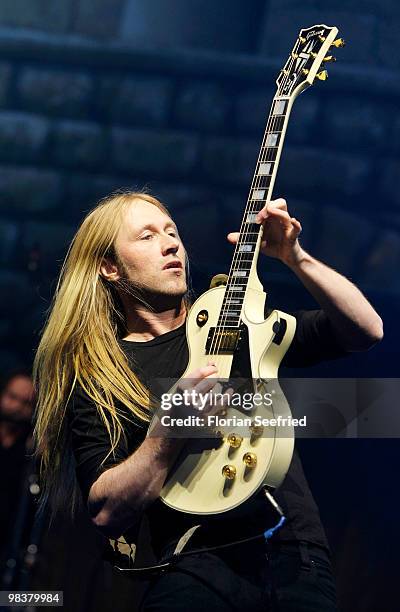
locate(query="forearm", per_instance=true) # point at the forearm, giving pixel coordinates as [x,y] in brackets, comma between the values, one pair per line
[119,496]
[356,323]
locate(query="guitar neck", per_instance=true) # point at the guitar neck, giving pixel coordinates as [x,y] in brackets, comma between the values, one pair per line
[299,72]
[248,245]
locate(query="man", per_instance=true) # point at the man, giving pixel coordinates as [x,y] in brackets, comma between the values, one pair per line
[117,323]
[16,409]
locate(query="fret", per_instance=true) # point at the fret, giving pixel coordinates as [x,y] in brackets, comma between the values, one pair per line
[279,107]
[272,139]
[255,234]
[262,181]
[275,123]
[232,314]
[258,194]
[243,258]
[267,154]
[246,248]
[239,273]
[251,217]
[264,169]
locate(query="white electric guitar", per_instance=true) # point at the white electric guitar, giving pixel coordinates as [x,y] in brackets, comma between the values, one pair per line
[227,325]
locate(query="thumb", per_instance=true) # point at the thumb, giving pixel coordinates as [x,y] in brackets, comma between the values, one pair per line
[233,237]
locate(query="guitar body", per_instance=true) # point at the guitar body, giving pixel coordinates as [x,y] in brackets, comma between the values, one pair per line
[196,483]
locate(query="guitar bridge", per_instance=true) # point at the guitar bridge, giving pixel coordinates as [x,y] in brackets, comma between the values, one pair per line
[223,341]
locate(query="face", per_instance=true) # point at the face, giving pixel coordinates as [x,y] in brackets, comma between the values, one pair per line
[16,401]
[152,255]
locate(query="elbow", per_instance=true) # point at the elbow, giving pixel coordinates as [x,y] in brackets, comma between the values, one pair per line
[372,335]
[365,337]
[376,332]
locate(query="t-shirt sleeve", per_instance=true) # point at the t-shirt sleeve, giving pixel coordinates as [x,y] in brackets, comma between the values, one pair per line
[91,443]
[314,340]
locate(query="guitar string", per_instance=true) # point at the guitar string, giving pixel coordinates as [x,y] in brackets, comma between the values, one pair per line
[218,338]
[272,124]
[238,258]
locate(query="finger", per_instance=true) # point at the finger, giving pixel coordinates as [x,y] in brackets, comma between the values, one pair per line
[283,215]
[279,203]
[189,381]
[221,403]
[297,224]
[233,237]
[205,385]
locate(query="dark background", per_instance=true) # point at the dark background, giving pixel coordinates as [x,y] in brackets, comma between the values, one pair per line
[173,96]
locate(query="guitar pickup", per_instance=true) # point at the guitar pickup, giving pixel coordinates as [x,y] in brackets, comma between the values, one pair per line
[223,341]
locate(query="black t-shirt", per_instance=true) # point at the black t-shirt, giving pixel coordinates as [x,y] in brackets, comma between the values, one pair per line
[166,356]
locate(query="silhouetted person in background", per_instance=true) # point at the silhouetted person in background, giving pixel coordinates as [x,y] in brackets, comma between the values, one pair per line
[16,409]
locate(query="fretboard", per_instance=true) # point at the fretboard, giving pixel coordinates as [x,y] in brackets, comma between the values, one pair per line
[247,247]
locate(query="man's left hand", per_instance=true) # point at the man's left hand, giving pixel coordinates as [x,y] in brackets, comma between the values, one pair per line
[280,232]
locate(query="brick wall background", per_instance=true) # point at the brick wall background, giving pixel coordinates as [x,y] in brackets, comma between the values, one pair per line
[99,94]
[83,111]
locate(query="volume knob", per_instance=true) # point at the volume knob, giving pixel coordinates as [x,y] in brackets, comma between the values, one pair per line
[229,471]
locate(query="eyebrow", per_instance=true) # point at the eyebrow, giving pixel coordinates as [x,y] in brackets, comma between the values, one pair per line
[151,225]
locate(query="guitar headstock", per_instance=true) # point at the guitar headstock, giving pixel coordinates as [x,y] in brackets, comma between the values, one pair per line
[310,52]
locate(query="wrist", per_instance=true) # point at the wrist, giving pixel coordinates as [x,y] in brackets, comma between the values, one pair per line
[296,258]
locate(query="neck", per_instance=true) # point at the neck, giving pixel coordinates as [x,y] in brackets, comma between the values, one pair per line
[143,325]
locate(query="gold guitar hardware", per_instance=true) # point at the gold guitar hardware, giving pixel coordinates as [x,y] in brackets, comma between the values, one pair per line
[256,430]
[202,318]
[313,54]
[295,55]
[339,42]
[250,459]
[302,39]
[329,58]
[218,279]
[323,75]
[305,71]
[229,471]
[234,440]
[322,38]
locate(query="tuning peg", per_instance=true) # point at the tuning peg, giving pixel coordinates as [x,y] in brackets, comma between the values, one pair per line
[339,42]
[305,71]
[302,39]
[322,76]
[322,38]
[329,58]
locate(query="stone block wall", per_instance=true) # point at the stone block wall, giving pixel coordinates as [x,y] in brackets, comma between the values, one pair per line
[80,117]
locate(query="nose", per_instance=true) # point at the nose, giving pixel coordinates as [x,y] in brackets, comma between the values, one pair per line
[170,245]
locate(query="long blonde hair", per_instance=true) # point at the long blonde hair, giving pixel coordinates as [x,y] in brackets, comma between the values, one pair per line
[79,346]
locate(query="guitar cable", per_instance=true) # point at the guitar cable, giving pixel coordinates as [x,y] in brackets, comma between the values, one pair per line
[169,561]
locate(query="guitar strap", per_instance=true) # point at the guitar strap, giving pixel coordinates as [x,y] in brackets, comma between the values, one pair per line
[122,554]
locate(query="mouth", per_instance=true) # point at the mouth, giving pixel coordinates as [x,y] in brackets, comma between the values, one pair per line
[175,265]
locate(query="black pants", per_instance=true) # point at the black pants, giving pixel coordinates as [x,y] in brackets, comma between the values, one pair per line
[291,577]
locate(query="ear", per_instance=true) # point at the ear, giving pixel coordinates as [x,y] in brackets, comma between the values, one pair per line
[109,270]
